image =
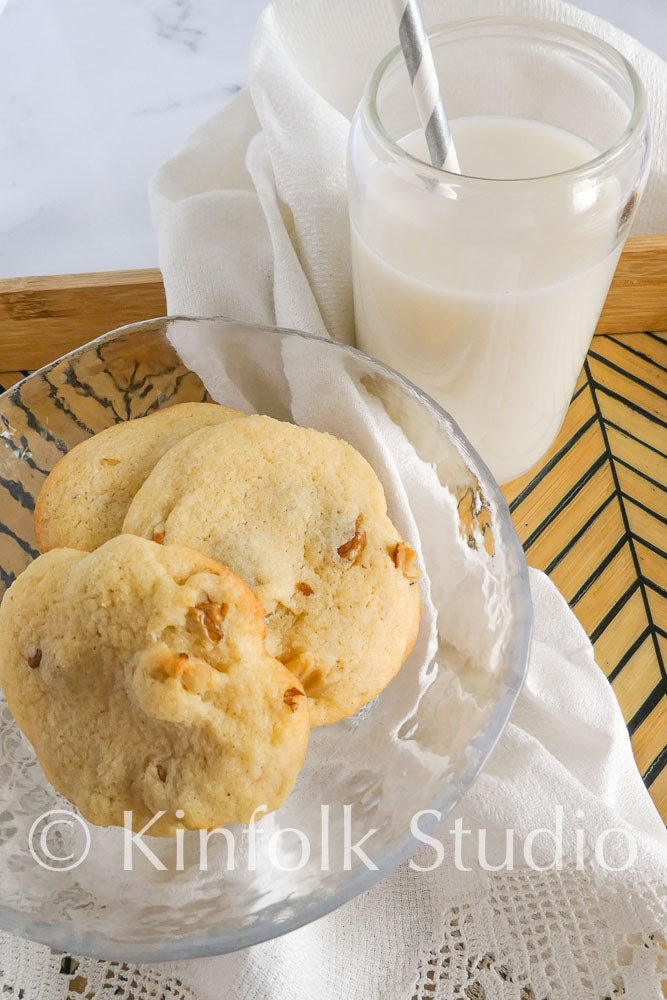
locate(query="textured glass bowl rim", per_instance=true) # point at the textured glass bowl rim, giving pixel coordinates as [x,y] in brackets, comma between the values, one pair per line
[62,936]
[635,127]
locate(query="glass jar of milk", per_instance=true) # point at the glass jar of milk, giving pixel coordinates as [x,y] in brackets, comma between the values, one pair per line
[485,288]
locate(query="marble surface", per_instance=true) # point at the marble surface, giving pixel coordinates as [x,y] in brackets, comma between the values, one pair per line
[94,94]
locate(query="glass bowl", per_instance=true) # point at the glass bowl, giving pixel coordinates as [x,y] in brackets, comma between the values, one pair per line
[417,747]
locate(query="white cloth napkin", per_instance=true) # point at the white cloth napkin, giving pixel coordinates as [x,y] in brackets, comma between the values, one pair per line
[251,219]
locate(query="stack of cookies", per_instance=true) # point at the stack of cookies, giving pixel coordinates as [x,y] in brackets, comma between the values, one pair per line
[211,586]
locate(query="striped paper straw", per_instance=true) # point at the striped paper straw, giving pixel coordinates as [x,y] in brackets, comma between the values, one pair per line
[425,86]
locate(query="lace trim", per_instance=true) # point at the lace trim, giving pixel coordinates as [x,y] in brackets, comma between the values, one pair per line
[547,936]
[33,972]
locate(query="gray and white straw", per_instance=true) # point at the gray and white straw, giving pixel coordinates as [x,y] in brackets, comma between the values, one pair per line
[425,86]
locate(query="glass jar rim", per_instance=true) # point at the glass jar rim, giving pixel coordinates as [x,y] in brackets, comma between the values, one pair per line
[603,159]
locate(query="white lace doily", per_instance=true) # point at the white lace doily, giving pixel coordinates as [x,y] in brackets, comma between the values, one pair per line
[34,972]
[547,936]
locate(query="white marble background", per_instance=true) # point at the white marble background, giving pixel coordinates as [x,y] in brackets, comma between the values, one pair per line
[94,94]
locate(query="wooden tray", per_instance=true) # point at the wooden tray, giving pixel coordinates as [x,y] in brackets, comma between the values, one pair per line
[591,514]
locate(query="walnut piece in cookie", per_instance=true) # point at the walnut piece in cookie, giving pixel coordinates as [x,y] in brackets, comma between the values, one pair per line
[34,657]
[352,549]
[210,617]
[290,697]
[405,559]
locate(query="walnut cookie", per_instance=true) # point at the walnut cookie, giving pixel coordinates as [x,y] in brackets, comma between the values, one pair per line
[140,676]
[302,518]
[85,497]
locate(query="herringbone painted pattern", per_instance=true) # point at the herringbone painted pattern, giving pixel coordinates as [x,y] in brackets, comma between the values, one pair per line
[593,515]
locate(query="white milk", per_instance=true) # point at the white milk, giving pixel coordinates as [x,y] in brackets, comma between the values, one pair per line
[486,296]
